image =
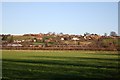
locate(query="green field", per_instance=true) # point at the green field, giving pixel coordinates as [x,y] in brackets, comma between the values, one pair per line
[54,65]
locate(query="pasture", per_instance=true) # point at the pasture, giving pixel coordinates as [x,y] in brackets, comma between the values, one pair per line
[53,65]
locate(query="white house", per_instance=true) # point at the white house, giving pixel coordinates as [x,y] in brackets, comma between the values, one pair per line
[62,39]
[75,39]
[14,45]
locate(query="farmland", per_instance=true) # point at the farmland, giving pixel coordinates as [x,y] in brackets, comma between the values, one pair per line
[52,65]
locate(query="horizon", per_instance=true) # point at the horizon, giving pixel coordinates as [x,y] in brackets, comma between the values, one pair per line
[60,32]
[65,17]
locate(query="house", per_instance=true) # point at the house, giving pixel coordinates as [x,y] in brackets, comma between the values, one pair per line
[75,39]
[17,41]
[62,39]
[14,45]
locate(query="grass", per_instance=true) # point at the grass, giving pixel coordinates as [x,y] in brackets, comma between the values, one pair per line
[22,37]
[52,65]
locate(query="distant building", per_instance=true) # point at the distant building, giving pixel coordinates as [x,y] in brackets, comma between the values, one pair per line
[62,39]
[75,39]
[14,45]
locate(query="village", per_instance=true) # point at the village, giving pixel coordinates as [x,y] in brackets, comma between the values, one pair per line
[60,41]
